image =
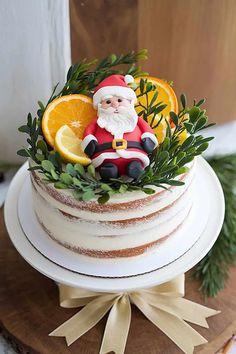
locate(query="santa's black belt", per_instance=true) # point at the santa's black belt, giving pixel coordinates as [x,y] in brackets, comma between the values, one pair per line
[118,144]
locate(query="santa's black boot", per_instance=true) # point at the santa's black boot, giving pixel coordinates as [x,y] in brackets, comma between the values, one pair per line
[134,169]
[108,171]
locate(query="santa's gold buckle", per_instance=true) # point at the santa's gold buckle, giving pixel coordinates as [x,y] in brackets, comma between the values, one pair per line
[118,144]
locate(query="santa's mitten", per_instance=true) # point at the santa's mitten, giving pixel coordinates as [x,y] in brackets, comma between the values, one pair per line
[148,145]
[91,148]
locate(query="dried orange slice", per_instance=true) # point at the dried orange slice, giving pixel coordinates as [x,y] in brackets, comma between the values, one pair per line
[76,111]
[68,145]
[166,95]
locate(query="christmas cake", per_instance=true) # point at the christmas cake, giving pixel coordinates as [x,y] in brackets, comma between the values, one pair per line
[112,161]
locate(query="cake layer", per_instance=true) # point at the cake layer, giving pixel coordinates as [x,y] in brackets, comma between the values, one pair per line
[133,223]
[120,206]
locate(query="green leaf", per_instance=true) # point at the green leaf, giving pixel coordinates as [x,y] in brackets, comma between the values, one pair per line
[70,169]
[141,85]
[23,153]
[77,182]
[40,157]
[209,125]
[200,123]
[88,195]
[173,182]
[163,156]
[54,174]
[194,113]
[205,140]
[80,169]
[202,148]
[186,160]
[106,187]
[123,188]
[148,86]
[174,118]
[201,102]
[41,145]
[29,119]
[188,142]
[182,170]
[41,105]
[183,100]
[66,178]
[34,168]
[166,144]
[148,190]
[24,129]
[168,169]
[113,58]
[104,198]
[47,165]
[48,176]
[91,170]
[60,185]
[154,98]
[160,108]
[180,156]
[54,158]
[189,127]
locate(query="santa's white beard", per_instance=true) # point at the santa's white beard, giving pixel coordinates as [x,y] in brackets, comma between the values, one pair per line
[119,123]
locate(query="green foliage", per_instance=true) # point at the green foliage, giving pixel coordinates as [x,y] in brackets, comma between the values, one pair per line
[213,269]
[167,162]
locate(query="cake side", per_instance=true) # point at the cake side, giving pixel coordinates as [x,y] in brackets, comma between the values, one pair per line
[103,232]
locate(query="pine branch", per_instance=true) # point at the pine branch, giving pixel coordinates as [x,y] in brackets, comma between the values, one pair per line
[212,271]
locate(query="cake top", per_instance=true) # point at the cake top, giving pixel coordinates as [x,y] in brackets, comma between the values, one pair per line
[111,131]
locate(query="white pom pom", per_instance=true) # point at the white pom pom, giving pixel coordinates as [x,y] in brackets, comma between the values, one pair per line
[129,79]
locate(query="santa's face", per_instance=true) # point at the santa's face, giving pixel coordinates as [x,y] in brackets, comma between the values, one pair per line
[117,115]
[115,102]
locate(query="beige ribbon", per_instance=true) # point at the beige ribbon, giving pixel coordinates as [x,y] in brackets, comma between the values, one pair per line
[163,305]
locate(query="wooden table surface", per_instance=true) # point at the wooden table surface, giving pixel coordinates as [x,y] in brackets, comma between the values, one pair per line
[29,310]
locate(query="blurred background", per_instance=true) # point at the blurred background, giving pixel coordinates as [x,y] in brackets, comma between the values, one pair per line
[190,42]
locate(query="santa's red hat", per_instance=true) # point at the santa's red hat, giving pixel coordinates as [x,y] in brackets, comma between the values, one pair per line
[114,85]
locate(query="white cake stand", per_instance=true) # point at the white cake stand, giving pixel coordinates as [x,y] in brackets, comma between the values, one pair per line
[38,250]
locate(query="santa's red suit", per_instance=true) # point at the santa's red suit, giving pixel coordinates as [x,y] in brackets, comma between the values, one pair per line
[119,151]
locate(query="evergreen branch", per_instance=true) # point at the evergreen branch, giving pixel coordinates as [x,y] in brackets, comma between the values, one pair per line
[212,271]
[167,162]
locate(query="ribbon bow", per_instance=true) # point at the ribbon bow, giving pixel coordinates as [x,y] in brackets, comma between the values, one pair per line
[163,305]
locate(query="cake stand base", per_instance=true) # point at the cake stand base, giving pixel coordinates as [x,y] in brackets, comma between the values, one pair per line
[29,310]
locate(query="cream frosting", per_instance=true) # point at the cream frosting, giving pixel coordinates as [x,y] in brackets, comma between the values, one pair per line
[127,221]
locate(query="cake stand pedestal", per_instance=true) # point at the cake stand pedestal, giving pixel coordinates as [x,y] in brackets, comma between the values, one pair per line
[29,310]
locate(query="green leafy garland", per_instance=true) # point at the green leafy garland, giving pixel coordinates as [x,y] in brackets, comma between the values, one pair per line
[167,162]
[212,271]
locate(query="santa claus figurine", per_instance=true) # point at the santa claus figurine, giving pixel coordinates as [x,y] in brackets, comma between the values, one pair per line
[118,141]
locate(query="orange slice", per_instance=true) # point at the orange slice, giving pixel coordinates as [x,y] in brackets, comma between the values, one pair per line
[166,95]
[159,128]
[68,145]
[76,111]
